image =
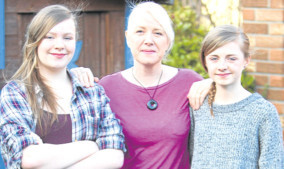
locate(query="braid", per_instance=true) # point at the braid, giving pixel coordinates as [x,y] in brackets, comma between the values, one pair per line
[211,97]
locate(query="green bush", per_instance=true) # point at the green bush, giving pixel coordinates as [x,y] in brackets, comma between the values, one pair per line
[188,38]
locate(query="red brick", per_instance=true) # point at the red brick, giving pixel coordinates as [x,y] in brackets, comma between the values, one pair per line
[261,80]
[248,14]
[279,107]
[282,121]
[260,54]
[269,41]
[272,94]
[283,133]
[277,3]
[277,81]
[276,55]
[254,3]
[276,29]
[270,68]
[255,28]
[251,40]
[269,15]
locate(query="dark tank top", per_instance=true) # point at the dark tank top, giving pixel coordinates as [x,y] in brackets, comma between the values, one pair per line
[59,133]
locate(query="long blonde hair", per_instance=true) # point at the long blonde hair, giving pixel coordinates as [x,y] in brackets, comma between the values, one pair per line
[28,73]
[217,38]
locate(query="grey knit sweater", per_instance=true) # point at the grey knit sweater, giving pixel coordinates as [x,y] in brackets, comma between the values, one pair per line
[243,135]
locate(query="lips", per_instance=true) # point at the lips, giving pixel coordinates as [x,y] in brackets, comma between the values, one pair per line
[58,55]
[223,75]
[148,51]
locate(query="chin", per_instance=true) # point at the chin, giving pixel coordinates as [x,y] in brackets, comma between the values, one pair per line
[223,82]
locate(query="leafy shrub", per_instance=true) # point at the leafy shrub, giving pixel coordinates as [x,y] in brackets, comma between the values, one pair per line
[189,34]
[188,37]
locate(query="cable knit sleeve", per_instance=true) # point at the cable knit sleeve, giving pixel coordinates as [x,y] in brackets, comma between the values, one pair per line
[271,140]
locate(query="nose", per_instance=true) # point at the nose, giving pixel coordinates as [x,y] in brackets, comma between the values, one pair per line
[222,64]
[148,39]
[59,44]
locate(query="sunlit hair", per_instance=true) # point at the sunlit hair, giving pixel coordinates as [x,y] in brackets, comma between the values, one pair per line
[217,38]
[28,73]
[158,13]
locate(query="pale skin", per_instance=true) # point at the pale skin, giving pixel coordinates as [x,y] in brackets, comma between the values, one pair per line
[225,66]
[148,43]
[196,93]
[55,52]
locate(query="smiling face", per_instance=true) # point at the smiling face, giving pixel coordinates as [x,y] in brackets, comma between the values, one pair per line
[57,48]
[147,40]
[225,64]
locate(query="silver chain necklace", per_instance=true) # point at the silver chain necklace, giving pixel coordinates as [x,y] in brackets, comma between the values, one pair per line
[151,104]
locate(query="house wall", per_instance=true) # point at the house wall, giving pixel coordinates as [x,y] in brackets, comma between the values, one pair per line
[263,21]
[101,29]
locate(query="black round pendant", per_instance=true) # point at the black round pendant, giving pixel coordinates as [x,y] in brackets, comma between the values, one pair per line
[152,104]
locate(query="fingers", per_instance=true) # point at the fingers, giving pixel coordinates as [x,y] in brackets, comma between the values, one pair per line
[89,78]
[191,96]
[96,79]
[84,75]
[198,92]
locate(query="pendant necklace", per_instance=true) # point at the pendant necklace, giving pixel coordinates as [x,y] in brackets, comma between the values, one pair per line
[151,104]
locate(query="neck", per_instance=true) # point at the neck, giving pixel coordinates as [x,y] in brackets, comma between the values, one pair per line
[230,94]
[148,76]
[55,78]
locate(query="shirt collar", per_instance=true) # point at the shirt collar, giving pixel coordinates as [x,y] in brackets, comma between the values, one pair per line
[76,85]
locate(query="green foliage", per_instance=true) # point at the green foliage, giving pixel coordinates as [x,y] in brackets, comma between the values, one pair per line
[188,38]
[248,81]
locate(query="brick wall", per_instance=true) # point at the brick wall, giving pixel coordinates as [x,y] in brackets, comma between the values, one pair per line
[263,21]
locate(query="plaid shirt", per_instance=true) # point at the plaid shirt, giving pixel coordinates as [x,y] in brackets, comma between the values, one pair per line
[92,119]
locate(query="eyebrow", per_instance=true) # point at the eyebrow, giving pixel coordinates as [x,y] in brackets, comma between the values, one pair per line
[144,27]
[226,55]
[66,33]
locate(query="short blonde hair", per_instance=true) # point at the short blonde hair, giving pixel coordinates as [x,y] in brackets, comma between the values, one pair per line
[159,14]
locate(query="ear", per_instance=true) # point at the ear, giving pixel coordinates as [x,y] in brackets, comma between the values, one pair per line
[247,60]
[126,37]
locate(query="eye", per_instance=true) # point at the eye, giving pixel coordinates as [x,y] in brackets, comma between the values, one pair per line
[139,32]
[159,33]
[213,58]
[232,58]
[48,37]
[68,38]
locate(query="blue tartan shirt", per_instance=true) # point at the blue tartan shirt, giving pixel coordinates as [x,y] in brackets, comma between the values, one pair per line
[92,119]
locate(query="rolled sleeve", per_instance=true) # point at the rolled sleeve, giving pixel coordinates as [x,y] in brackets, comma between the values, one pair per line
[110,134]
[16,123]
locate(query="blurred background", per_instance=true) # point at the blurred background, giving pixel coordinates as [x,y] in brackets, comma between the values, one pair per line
[101,45]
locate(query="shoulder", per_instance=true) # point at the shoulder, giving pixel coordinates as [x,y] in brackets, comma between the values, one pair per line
[187,76]
[261,102]
[109,79]
[189,72]
[13,88]
[262,107]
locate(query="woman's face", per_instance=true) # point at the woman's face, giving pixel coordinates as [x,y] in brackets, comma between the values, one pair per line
[225,64]
[57,48]
[147,40]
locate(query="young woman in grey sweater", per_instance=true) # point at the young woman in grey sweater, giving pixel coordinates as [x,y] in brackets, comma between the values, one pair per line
[233,129]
